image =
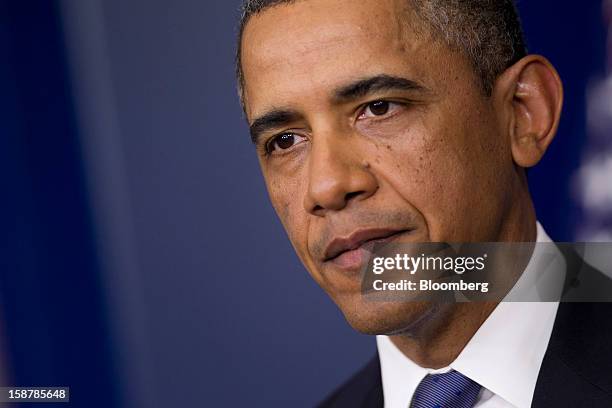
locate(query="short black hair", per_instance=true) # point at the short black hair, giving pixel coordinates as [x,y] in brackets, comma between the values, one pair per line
[488,32]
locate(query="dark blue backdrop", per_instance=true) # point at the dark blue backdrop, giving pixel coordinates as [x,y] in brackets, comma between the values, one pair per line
[225,308]
[54,317]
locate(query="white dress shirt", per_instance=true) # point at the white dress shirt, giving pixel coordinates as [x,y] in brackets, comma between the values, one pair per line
[505,354]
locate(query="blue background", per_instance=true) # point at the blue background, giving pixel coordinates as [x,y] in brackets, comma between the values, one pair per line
[140,260]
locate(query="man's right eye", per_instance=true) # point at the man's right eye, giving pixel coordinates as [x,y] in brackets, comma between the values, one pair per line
[283,141]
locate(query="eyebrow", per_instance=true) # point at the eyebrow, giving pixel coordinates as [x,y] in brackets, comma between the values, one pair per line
[271,120]
[363,87]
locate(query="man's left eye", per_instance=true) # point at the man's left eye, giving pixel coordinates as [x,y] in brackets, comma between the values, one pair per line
[377,108]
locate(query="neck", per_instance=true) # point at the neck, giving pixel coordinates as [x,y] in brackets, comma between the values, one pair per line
[437,342]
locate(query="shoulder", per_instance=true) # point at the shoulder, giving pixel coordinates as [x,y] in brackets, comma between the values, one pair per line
[363,389]
[576,368]
[581,339]
[582,333]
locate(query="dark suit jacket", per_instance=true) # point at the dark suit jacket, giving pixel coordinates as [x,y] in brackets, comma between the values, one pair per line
[576,371]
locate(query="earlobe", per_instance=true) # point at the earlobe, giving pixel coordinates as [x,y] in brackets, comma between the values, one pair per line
[535,100]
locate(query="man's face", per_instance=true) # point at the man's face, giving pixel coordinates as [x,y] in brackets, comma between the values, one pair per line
[369,130]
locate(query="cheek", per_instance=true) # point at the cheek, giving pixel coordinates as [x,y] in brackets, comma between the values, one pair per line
[286,197]
[447,172]
[423,171]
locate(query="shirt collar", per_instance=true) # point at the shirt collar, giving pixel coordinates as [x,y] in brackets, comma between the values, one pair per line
[505,354]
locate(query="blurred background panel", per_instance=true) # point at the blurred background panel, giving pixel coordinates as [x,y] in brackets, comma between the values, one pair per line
[141,262]
[54,310]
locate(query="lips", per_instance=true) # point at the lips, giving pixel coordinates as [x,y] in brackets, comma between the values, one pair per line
[341,247]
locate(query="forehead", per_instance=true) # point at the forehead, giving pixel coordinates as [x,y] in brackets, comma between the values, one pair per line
[308,23]
[296,52]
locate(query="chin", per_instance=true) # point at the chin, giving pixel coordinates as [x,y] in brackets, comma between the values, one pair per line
[386,318]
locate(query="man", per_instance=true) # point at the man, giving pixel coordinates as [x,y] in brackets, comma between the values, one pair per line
[383,121]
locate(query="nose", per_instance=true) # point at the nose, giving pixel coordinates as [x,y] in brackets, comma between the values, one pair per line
[337,175]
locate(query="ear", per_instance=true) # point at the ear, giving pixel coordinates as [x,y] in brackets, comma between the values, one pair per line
[530,94]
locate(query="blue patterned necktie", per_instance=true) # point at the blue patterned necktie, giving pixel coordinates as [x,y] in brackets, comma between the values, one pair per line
[448,390]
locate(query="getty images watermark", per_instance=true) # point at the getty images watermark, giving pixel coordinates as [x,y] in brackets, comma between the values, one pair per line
[406,263]
[492,272]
